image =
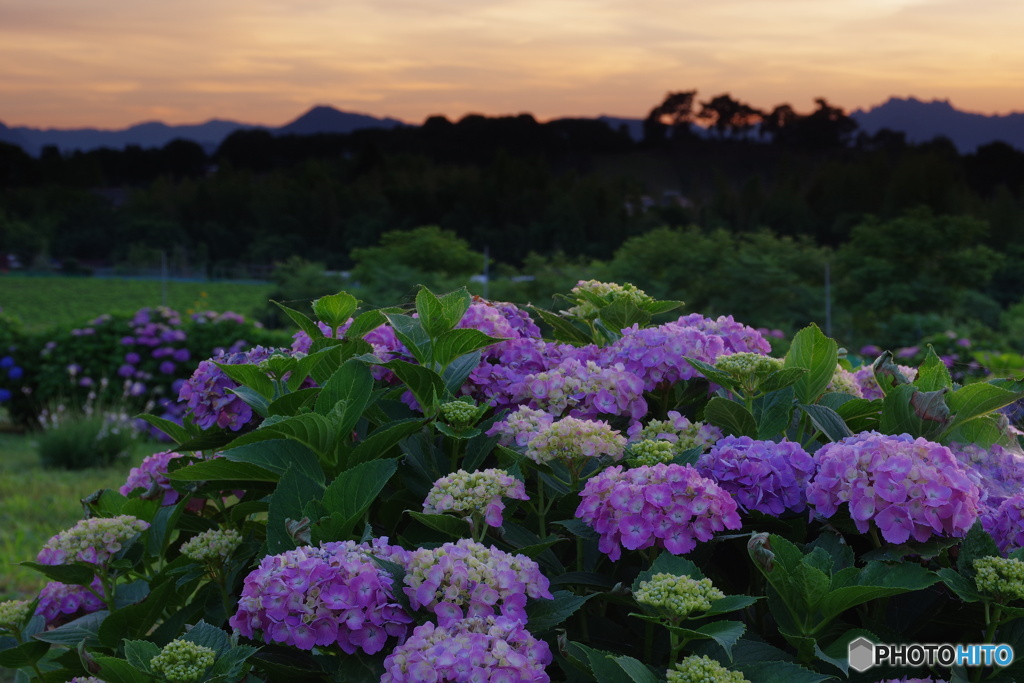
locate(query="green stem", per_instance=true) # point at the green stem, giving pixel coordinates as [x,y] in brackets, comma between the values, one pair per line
[991,623]
[453,461]
[541,510]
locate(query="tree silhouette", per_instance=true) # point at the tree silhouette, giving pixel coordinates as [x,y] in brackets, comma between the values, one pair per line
[675,113]
[727,116]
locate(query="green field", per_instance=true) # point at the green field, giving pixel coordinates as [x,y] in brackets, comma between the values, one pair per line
[35,504]
[41,302]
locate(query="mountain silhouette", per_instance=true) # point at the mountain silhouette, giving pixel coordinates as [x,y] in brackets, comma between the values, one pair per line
[319,119]
[925,121]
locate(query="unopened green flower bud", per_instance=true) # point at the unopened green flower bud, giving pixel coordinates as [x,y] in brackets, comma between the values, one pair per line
[214,545]
[650,452]
[13,614]
[459,414]
[182,661]
[749,369]
[703,669]
[1000,576]
[680,596]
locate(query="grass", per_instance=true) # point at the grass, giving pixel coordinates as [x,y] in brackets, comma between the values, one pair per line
[36,503]
[42,302]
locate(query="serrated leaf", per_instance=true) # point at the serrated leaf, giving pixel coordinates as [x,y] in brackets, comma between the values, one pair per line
[781,379]
[310,429]
[353,384]
[113,670]
[139,653]
[978,399]
[208,636]
[277,455]
[544,615]
[293,402]
[423,382]
[335,309]
[220,469]
[172,429]
[780,672]
[305,323]
[250,376]
[25,654]
[254,399]
[432,313]
[382,440]
[933,374]
[85,628]
[563,329]
[72,574]
[964,588]
[455,343]
[730,417]
[293,492]
[354,490]
[731,603]
[410,332]
[711,373]
[817,354]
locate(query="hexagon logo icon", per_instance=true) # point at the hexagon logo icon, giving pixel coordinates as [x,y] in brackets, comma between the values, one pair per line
[861,654]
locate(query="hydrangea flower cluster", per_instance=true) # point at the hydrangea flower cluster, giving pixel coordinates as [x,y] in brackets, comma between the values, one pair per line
[914,680]
[679,430]
[473,493]
[479,649]
[569,440]
[469,579]
[85,679]
[214,545]
[520,426]
[93,540]
[1006,524]
[908,487]
[182,661]
[869,388]
[678,596]
[583,389]
[761,475]
[608,292]
[207,391]
[1000,576]
[845,382]
[151,475]
[317,596]
[13,614]
[656,354]
[702,669]
[736,337]
[748,368]
[650,452]
[998,472]
[668,506]
[58,600]
[459,414]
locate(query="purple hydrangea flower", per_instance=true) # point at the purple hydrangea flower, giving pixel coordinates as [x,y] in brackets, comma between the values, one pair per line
[469,579]
[736,337]
[583,390]
[333,594]
[668,506]
[998,472]
[206,391]
[61,602]
[761,475]
[520,426]
[301,342]
[908,487]
[1006,523]
[151,474]
[490,648]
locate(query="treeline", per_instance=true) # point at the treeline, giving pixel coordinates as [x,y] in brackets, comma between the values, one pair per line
[574,190]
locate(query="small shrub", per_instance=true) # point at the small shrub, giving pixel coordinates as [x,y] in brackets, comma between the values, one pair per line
[79,441]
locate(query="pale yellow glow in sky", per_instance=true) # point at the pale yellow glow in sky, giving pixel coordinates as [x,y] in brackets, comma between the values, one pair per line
[113,63]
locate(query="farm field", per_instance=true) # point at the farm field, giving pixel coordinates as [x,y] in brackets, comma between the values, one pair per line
[43,302]
[36,503]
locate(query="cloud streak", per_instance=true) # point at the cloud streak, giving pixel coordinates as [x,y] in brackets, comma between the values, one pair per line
[113,62]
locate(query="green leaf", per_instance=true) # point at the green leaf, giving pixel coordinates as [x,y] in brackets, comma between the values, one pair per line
[368,321]
[800,586]
[544,615]
[310,429]
[277,455]
[731,603]
[353,384]
[336,309]
[851,587]
[623,313]
[439,315]
[410,332]
[817,354]
[933,375]
[887,373]
[828,421]
[382,440]
[635,669]
[976,545]
[293,492]
[294,402]
[25,654]
[982,431]
[113,670]
[354,490]
[730,417]
[860,414]
[255,400]
[974,400]
[712,373]
[85,628]
[456,343]
[781,379]
[72,574]
[221,469]
[964,588]
[458,370]
[446,524]
[172,429]
[564,330]
[423,382]
[140,652]
[305,323]
[209,636]
[780,672]
[251,376]
[899,415]
[725,633]
[667,563]
[603,665]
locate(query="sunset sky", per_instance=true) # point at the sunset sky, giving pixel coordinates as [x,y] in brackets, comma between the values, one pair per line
[113,63]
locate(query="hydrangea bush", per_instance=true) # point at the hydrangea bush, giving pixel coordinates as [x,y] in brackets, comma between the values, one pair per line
[466,490]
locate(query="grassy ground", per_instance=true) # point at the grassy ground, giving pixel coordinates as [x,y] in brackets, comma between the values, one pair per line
[41,302]
[36,503]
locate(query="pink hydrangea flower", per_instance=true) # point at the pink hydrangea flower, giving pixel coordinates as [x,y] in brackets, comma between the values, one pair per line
[761,475]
